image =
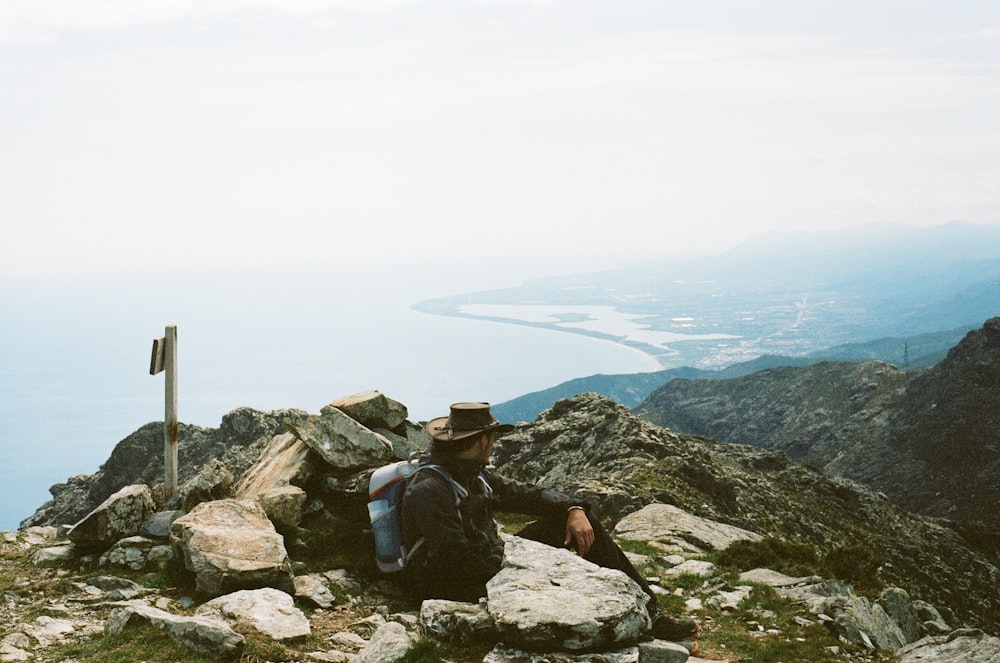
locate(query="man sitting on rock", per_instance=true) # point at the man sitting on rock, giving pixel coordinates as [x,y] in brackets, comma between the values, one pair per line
[461,549]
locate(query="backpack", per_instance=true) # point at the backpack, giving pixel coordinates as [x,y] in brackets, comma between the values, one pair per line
[385,497]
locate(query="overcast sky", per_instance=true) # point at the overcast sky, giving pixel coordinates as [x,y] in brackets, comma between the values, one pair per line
[153,132]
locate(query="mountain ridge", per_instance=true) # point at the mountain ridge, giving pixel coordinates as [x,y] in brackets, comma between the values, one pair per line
[631,389]
[928,439]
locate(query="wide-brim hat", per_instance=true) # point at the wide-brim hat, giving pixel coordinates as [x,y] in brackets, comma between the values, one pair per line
[465,420]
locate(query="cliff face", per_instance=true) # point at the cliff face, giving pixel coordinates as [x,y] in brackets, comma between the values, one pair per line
[947,424]
[929,440]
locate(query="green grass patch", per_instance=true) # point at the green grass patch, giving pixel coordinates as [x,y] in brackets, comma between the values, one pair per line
[794,559]
[640,548]
[426,650]
[687,581]
[763,629]
[512,523]
[138,643]
[856,565]
[671,603]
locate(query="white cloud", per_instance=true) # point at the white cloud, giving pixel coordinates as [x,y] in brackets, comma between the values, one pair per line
[27,21]
[547,127]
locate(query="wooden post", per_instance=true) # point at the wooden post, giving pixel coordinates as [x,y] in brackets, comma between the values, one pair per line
[164,358]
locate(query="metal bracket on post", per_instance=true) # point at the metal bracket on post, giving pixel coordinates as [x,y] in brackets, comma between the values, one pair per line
[164,358]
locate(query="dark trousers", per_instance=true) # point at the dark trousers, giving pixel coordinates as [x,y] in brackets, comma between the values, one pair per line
[605,552]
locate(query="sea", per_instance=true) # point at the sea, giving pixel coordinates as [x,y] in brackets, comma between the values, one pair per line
[75,354]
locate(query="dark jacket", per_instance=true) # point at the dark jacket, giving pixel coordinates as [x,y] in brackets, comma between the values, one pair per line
[461,549]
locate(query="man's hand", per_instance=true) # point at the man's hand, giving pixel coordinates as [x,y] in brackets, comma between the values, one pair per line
[578,531]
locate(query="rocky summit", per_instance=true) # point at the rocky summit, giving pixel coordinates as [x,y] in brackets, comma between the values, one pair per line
[265,553]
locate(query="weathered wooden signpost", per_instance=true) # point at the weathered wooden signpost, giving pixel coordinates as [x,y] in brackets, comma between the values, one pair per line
[164,358]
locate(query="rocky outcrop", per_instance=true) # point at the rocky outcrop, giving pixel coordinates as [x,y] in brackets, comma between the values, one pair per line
[138,459]
[212,482]
[590,440]
[670,525]
[548,599]
[230,545]
[674,493]
[119,516]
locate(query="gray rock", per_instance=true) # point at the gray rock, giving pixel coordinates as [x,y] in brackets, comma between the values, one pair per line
[389,644]
[366,626]
[454,621]
[342,442]
[157,525]
[119,516]
[730,600]
[662,651]
[775,579]
[312,589]
[210,637]
[931,620]
[267,611]
[53,555]
[283,506]
[549,599]
[860,622]
[372,409]
[118,589]
[286,461]
[231,545]
[47,630]
[349,640]
[132,552]
[692,567]
[505,654]
[669,524]
[961,646]
[39,535]
[13,653]
[331,656]
[212,482]
[900,609]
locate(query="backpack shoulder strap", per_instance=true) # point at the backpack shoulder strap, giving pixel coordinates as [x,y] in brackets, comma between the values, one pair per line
[457,489]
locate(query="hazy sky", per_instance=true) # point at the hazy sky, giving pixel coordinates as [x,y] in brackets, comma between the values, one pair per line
[154,132]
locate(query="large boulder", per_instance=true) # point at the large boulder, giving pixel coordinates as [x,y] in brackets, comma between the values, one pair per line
[231,545]
[372,409]
[549,599]
[119,516]
[668,524]
[342,442]
[268,611]
[286,461]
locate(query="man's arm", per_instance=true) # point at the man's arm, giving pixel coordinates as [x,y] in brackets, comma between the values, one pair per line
[531,499]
